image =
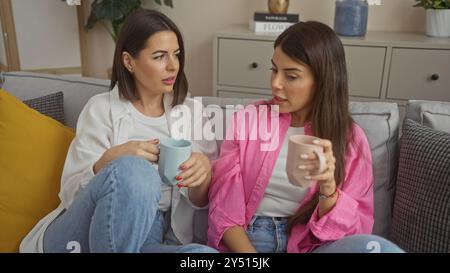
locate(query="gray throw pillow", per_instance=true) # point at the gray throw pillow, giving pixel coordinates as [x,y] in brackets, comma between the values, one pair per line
[2,79]
[421,217]
[50,105]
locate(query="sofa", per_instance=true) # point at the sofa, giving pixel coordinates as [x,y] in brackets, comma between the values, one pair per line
[379,120]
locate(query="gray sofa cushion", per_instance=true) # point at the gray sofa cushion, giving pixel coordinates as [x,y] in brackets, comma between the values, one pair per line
[50,105]
[434,114]
[77,90]
[421,221]
[380,121]
[2,78]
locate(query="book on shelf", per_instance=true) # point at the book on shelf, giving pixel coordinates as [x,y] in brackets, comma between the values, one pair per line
[277,18]
[269,23]
[269,27]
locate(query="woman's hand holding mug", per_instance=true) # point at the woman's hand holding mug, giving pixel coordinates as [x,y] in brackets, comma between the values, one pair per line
[310,159]
[195,171]
[311,162]
[146,149]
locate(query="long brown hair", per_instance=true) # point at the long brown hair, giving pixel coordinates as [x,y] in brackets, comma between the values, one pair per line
[138,27]
[317,45]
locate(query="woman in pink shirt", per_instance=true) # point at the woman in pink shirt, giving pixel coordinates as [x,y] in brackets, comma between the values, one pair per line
[253,207]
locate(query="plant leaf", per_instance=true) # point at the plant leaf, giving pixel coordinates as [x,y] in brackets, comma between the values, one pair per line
[168,3]
[432,4]
[92,20]
[115,12]
[109,10]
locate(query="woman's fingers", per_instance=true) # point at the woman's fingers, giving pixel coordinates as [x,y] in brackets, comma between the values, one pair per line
[308,156]
[149,156]
[311,166]
[314,166]
[149,147]
[328,175]
[327,149]
[190,162]
[195,179]
[194,173]
[321,177]
[189,172]
[310,162]
[198,181]
[325,143]
[311,158]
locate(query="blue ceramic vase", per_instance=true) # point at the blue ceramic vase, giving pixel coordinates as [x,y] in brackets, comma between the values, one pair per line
[351,17]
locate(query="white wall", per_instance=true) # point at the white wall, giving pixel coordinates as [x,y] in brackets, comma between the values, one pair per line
[47,34]
[200,19]
[3,59]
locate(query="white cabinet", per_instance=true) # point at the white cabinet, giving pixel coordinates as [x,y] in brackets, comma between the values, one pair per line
[420,74]
[383,66]
[244,63]
[365,66]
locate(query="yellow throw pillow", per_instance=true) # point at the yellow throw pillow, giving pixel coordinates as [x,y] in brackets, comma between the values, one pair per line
[33,148]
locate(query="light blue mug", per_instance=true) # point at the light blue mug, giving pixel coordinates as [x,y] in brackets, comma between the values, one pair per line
[172,153]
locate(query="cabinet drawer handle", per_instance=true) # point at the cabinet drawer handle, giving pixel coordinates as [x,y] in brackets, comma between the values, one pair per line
[254,65]
[435,77]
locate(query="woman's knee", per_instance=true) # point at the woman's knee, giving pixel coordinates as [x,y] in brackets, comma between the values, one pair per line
[373,243]
[382,244]
[136,177]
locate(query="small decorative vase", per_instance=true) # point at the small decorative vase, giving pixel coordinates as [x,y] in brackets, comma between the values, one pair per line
[278,6]
[350,17]
[438,22]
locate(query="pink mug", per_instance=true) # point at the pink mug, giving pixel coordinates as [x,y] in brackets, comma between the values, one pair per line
[298,145]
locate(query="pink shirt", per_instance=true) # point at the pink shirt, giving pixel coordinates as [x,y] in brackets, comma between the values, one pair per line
[241,175]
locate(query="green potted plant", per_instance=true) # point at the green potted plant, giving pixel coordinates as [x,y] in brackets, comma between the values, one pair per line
[115,12]
[437,17]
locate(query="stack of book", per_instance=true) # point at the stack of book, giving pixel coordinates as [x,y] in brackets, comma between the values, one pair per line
[269,23]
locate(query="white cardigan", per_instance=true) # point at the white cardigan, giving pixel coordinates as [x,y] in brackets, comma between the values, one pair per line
[104,122]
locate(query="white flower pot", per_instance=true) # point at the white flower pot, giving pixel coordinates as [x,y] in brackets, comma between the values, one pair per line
[438,22]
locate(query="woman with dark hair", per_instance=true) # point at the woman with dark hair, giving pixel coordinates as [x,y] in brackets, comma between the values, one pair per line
[112,197]
[253,207]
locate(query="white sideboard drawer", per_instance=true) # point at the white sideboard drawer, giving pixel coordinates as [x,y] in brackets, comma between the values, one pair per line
[365,67]
[422,74]
[244,63]
[230,94]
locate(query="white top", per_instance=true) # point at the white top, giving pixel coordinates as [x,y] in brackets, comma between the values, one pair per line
[105,122]
[148,128]
[281,198]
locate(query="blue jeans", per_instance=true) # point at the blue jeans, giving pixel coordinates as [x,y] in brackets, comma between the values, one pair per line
[116,212]
[268,235]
